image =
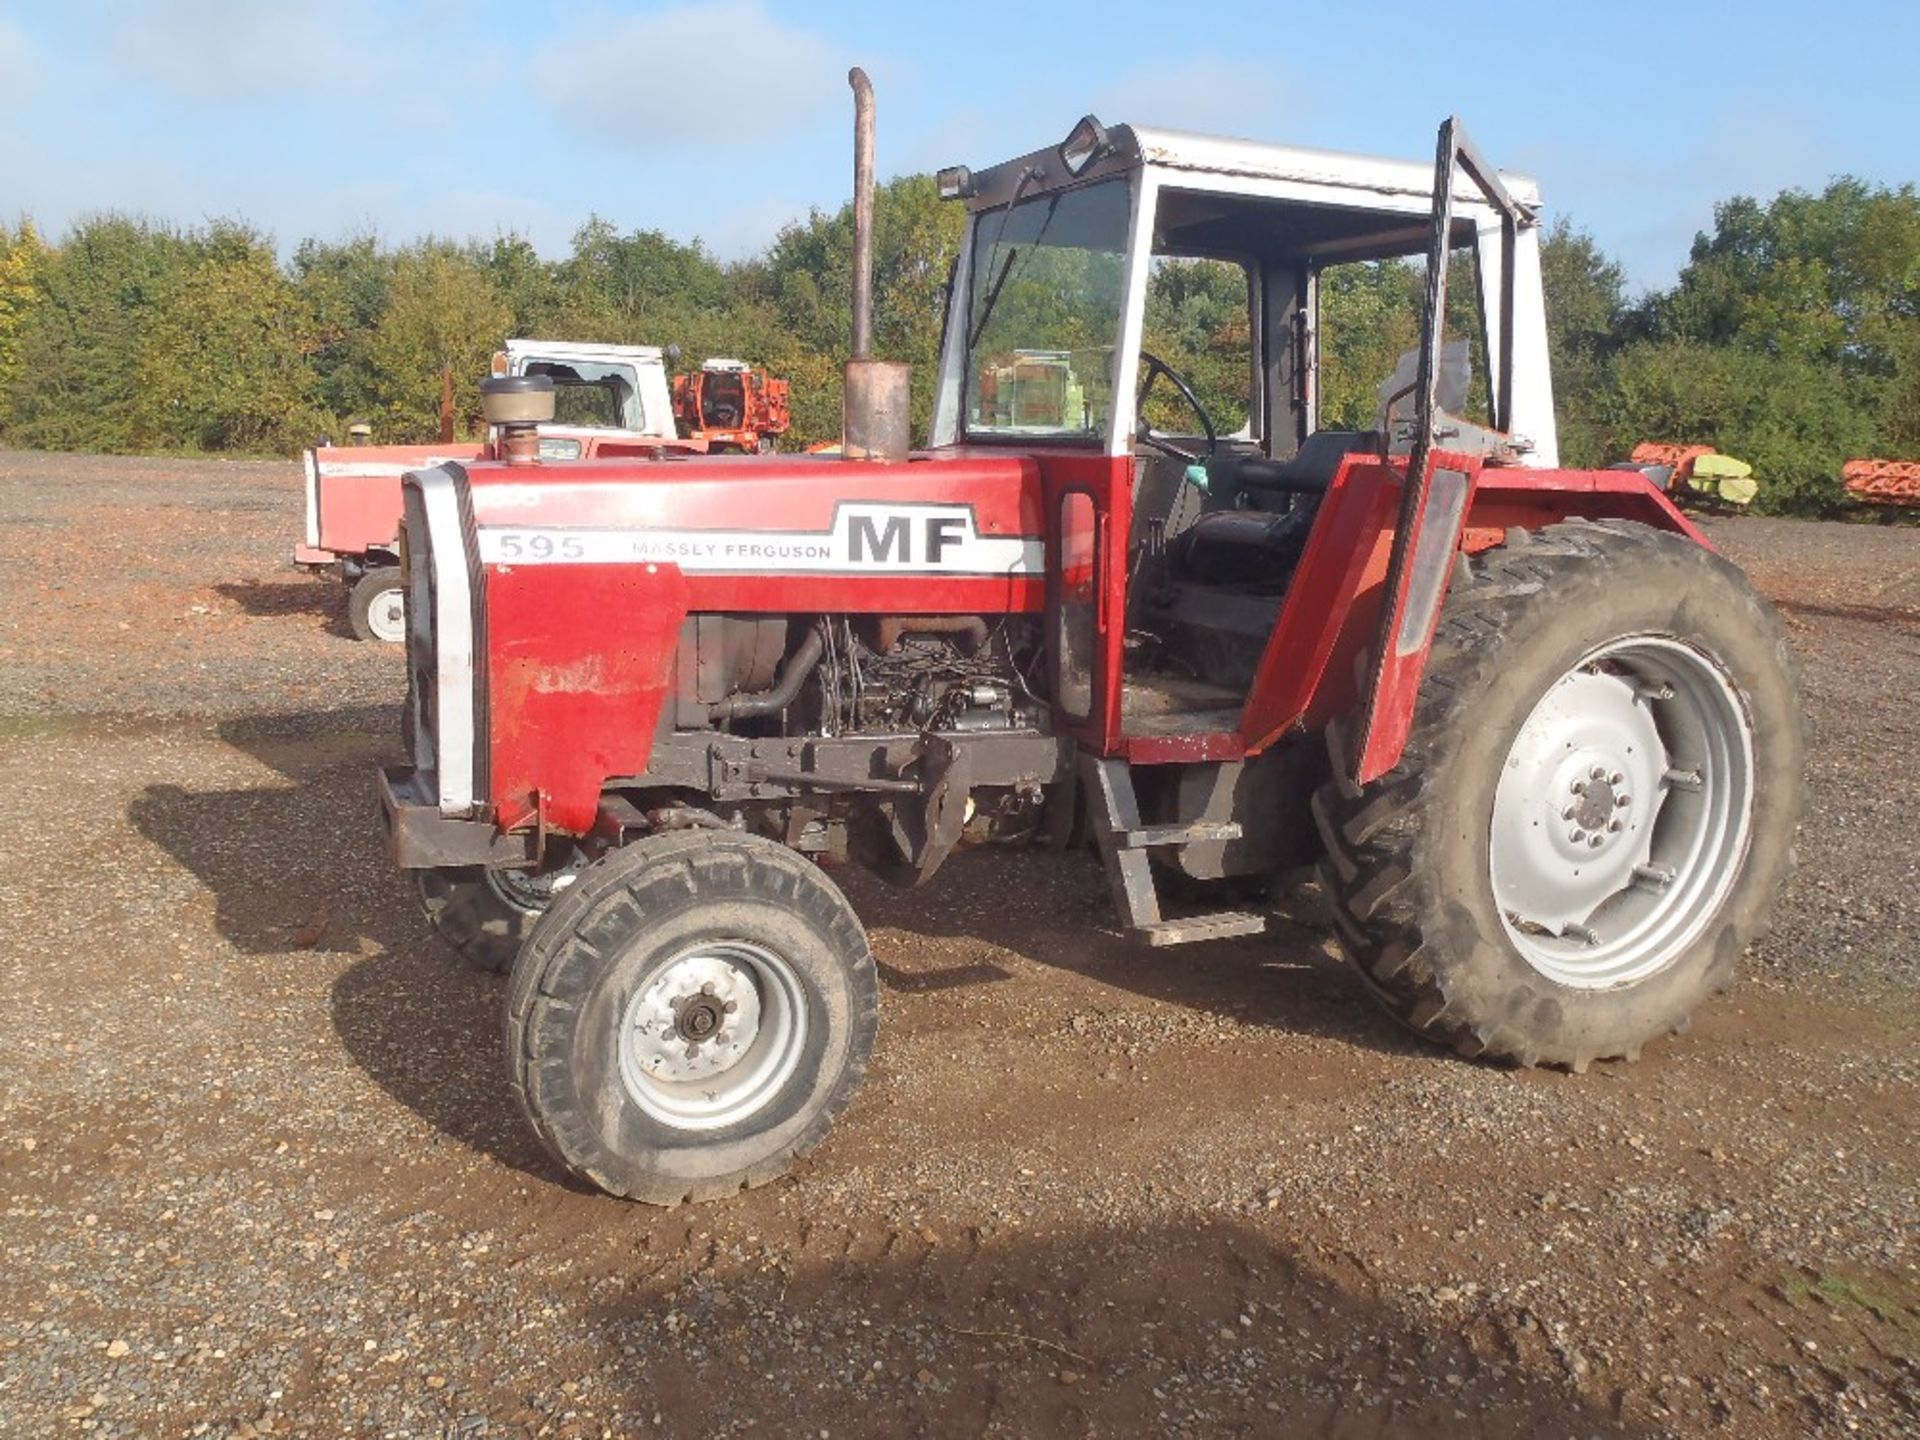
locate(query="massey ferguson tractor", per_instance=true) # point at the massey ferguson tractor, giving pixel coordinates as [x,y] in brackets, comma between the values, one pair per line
[1543,742]
[611,400]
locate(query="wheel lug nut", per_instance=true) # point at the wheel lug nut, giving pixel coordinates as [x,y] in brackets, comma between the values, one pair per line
[1593,841]
[1597,773]
[1623,801]
[1614,826]
[1615,778]
[1576,835]
[1579,787]
[1567,814]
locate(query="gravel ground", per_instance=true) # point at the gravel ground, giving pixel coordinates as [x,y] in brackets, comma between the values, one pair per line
[261,1173]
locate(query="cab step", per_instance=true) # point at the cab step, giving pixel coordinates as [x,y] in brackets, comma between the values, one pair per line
[1113,816]
[1198,832]
[1222,926]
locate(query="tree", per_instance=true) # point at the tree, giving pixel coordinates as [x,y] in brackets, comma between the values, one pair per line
[530,286]
[343,286]
[1828,277]
[1369,317]
[442,310]
[77,382]
[1585,296]
[24,261]
[223,352]
[1198,320]
[809,274]
[625,286]
[1794,420]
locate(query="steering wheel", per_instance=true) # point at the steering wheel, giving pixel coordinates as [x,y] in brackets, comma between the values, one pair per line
[1156,367]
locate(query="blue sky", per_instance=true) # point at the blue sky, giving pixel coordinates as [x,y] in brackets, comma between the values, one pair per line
[723,118]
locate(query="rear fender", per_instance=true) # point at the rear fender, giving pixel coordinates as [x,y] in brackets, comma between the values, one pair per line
[1514,499]
[1311,672]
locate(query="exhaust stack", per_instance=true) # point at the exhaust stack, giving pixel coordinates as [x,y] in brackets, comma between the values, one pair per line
[876,409]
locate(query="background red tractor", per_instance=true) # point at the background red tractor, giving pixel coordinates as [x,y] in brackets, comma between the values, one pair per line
[609,400]
[1543,744]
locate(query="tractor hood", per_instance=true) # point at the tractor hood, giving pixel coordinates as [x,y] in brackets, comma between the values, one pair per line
[966,516]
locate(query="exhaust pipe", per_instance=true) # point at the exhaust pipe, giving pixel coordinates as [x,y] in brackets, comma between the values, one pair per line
[876,407]
[862,213]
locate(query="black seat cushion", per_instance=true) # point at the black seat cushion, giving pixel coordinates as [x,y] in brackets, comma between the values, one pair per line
[1310,469]
[1254,548]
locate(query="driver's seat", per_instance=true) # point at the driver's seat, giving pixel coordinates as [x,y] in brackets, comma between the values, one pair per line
[1308,471]
[1252,545]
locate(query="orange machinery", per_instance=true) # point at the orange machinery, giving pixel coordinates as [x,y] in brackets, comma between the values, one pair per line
[1892,483]
[731,406]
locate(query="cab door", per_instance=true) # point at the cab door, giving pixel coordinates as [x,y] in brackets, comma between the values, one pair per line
[1087,517]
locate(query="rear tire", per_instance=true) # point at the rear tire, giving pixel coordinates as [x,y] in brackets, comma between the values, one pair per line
[690,1017]
[1478,899]
[376,608]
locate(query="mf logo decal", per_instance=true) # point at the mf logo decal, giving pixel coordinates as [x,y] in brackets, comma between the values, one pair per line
[867,537]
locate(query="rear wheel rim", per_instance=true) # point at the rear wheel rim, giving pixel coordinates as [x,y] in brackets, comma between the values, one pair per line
[387,615]
[1623,813]
[713,1035]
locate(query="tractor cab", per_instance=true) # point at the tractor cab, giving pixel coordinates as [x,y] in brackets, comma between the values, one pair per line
[1156,304]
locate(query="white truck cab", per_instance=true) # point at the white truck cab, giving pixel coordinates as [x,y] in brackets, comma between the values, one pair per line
[613,391]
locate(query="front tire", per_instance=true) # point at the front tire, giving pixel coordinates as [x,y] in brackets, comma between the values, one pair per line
[1595,807]
[690,1017]
[376,607]
[487,915]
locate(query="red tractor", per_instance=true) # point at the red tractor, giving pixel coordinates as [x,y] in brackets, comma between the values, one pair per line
[1542,742]
[611,399]
[731,406]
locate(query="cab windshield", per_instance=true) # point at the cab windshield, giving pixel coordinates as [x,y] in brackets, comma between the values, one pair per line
[592,396]
[1043,314]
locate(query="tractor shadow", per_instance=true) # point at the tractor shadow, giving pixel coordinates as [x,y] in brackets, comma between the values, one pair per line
[1185,1326]
[1053,910]
[298,870]
[320,597]
[301,867]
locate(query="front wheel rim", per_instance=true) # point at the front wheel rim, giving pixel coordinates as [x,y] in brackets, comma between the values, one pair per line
[1623,813]
[713,1035]
[387,615]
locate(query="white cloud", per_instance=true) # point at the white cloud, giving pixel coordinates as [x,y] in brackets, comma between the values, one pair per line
[724,74]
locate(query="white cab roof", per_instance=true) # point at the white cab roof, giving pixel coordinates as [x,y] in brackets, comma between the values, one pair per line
[580,350]
[1254,160]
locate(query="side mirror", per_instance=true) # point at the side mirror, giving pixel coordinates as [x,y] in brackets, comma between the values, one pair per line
[517,399]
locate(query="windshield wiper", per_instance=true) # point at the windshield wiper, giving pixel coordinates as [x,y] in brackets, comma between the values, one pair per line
[993,296]
[1027,177]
